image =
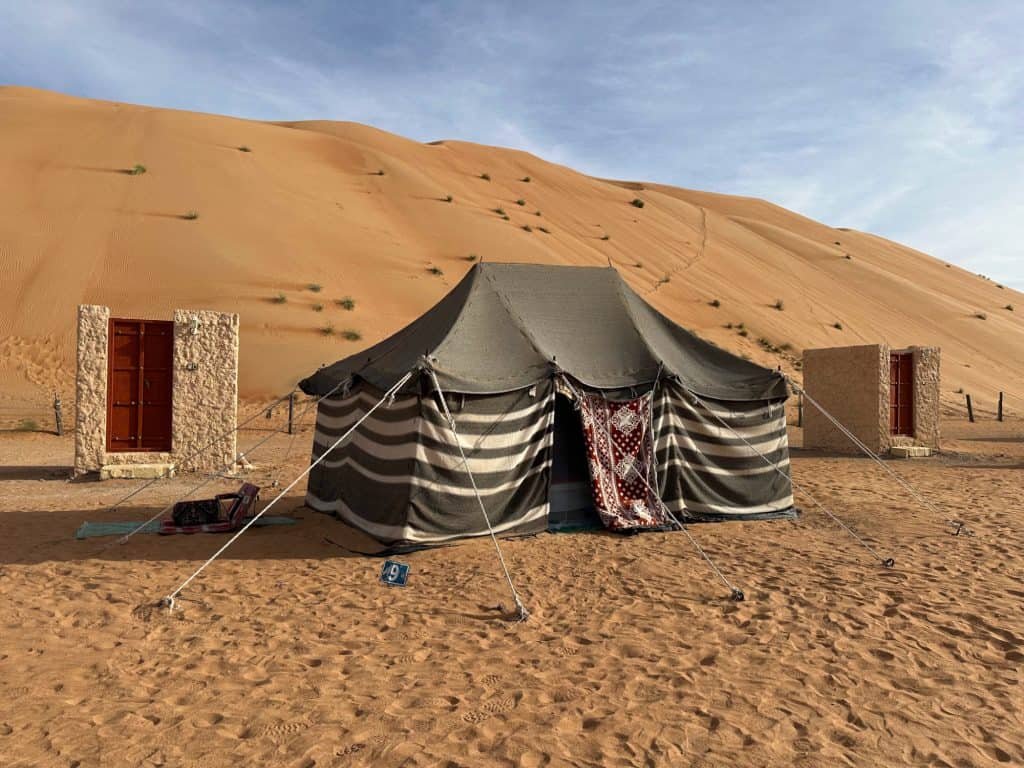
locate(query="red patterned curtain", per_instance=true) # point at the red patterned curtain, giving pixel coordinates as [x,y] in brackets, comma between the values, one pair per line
[620,451]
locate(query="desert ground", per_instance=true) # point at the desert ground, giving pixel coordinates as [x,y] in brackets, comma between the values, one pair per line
[288,651]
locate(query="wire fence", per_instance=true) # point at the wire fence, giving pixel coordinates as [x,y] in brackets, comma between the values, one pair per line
[40,414]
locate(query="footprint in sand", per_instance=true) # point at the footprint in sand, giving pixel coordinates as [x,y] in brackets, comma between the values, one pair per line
[492,707]
[284,729]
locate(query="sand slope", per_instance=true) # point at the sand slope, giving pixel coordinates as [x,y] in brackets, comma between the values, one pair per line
[306,205]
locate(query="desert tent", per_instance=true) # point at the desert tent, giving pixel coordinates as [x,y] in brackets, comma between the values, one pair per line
[672,425]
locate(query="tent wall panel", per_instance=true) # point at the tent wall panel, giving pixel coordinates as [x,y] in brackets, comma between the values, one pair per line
[400,477]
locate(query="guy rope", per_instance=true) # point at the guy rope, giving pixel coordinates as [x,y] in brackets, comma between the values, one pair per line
[521,613]
[958,526]
[217,473]
[169,600]
[888,562]
[735,592]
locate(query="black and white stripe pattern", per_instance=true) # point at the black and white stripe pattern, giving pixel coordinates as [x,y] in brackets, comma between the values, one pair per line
[400,477]
[708,473]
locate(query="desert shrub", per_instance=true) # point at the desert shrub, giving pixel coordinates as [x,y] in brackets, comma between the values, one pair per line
[315,287]
[244,148]
[1009,307]
[379,172]
[350,335]
[500,211]
[545,230]
[526,179]
[449,199]
[837,325]
[485,176]
[715,303]
[606,236]
[728,326]
[435,271]
[847,256]
[520,201]
[779,304]
[470,257]
[665,279]
[346,303]
[837,242]
[536,213]
[318,307]
[981,315]
[27,425]
[637,202]
[527,228]
[327,330]
[280,299]
[137,170]
[191,215]
[743,332]
[785,346]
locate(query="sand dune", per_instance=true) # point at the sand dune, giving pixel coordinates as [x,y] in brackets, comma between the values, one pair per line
[305,205]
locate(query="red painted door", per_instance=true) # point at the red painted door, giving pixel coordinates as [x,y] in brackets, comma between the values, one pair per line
[139,385]
[901,393]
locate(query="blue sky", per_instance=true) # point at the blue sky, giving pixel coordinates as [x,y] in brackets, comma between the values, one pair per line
[900,118]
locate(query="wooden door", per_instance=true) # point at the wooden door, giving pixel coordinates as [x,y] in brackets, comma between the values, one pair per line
[901,393]
[139,379]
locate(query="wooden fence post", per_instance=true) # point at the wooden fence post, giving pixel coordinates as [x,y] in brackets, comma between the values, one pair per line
[1000,411]
[57,415]
[970,409]
[800,410]
[291,412]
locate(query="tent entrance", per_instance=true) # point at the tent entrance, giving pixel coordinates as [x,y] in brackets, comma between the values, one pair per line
[572,505]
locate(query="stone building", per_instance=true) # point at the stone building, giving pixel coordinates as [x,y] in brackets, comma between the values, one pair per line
[888,398]
[153,396]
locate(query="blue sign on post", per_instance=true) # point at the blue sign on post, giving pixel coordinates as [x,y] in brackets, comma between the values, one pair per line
[394,574]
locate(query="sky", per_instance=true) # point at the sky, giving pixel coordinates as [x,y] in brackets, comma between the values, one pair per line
[902,118]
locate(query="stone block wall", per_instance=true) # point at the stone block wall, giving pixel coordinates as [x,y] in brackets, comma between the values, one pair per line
[852,383]
[91,389]
[205,387]
[926,396]
[848,382]
[204,393]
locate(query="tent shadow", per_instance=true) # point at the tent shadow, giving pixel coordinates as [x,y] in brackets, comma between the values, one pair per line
[33,537]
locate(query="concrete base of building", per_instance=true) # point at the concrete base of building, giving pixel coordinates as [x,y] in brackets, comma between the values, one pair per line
[910,451]
[136,471]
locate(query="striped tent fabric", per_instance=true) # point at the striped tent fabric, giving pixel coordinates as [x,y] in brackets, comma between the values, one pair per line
[400,477]
[706,472]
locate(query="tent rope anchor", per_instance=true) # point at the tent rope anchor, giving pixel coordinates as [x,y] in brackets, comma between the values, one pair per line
[521,614]
[169,600]
[888,562]
[958,525]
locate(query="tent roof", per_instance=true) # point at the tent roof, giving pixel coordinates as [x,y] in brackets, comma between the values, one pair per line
[506,326]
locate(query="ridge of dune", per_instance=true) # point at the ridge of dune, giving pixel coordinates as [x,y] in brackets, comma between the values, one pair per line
[285,205]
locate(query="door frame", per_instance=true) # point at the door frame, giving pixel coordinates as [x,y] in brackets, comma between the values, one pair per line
[897,358]
[142,323]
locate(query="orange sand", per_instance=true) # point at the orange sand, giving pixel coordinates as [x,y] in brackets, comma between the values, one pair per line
[288,652]
[305,206]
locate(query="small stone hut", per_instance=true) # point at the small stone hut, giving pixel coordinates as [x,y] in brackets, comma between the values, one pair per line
[888,398]
[151,393]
